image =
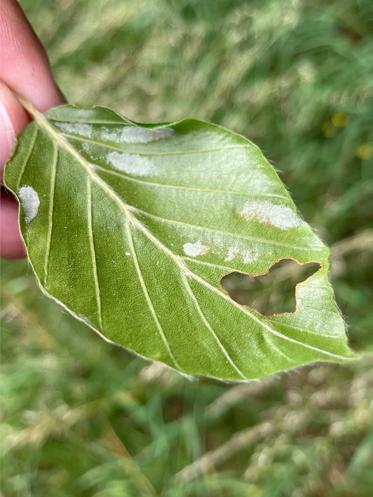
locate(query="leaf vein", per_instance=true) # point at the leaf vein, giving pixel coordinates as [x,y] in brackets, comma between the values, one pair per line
[211,329]
[93,252]
[219,232]
[27,158]
[186,188]
[146,152]
[147,296]
[50,212]
[278,349]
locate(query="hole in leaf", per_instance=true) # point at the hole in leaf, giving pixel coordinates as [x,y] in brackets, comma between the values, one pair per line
[272,293]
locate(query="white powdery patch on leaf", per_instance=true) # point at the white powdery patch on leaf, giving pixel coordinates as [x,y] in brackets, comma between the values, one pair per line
[87,147]
[265,212]
[131,164]
[250,255]
[30,202]
[246,255]
[232,253]
[136,134]
[110,134]
[77,128]
[195,249]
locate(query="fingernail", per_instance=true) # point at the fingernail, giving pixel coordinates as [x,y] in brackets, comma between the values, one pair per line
[7,134]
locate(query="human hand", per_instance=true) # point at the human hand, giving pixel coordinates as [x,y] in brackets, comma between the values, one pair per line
[24,70]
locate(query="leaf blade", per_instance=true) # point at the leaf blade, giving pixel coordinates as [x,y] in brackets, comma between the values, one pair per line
[188,215]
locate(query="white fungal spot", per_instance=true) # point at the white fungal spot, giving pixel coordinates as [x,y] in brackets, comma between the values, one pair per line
[87,147]
[77,128]
[232,254]
[136,134]
[265,212]
[128,254]
[195,249]
[110,134]
[246,255]
[30,202]
[250,255]
[131,164]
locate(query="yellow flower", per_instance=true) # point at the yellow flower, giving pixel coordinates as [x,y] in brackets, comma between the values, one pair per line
[364,151]
[339,120]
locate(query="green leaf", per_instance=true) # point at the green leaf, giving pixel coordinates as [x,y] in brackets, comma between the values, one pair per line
[131,228]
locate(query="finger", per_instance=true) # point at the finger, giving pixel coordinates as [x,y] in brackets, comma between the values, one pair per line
[24,65]
[11,245]
[24,68]
[13,119]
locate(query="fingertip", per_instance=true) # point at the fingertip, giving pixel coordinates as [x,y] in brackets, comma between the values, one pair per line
[11,244]
[13,119]
[24,63]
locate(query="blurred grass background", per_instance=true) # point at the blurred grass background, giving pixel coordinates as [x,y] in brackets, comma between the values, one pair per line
[82,418]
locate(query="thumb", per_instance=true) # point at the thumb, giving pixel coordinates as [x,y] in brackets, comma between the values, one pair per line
[12,119]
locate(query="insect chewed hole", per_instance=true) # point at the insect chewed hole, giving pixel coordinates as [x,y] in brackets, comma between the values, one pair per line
[272,293]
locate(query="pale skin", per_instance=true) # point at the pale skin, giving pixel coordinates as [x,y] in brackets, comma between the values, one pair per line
[24,71]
